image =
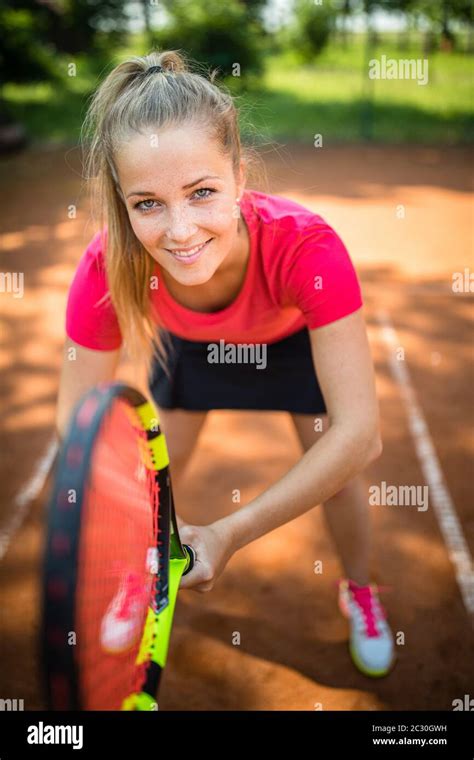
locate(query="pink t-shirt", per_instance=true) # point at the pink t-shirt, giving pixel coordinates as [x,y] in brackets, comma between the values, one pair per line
[298,274]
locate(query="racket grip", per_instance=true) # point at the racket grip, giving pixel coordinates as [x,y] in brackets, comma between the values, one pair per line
[191,556]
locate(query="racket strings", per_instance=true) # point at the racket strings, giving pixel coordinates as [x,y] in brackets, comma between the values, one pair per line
[160,579]
[115,580]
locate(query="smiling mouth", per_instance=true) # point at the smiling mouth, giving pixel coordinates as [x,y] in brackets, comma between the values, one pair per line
[190,253]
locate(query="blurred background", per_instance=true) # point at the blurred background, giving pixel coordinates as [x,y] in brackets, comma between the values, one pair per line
[387,161]
[301,64]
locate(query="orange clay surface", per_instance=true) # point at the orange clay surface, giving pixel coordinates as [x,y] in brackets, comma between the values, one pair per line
[293,641]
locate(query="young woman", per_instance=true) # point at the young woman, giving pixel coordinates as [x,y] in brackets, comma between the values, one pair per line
[188,259]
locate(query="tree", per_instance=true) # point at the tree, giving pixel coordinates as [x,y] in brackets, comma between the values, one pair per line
[254,9]
[33,32]
[347,9]
[441,13]
[405,7]
[314,24]
[215,33]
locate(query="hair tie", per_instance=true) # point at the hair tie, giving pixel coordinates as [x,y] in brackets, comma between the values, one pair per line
[154,69]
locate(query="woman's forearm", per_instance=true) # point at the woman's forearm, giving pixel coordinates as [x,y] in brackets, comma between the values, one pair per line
[321,472]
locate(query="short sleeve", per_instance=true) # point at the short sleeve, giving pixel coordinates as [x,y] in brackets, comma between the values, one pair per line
[88,322]
[321,279]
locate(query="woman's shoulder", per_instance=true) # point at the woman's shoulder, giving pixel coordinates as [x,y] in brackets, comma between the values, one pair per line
[287,229]
[94,252]
[304,261]
[281,213]
[90,317]
[90,276]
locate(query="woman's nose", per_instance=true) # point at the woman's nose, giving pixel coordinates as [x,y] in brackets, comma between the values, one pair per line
[180,225]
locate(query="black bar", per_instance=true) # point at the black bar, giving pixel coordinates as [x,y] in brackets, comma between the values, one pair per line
[451,733]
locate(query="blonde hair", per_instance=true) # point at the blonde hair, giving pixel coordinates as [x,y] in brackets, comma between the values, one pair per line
[130,99]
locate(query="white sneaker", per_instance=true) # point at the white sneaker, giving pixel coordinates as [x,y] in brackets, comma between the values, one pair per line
[371,643]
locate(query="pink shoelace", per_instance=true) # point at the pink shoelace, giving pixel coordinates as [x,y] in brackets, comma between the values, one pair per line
[364,597]
[369,604]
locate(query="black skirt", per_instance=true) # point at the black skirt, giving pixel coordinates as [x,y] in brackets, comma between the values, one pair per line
[276,376]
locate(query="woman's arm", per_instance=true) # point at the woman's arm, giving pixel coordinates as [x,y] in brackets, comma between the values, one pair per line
[81,369]
[345,371]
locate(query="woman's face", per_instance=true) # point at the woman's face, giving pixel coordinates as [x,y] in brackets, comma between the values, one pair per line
[180,194]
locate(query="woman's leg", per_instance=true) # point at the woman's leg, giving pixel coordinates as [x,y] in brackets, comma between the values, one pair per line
[181,429]
[346,513]
[371,642]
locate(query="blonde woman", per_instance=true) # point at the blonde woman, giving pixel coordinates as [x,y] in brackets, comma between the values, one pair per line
[188,258]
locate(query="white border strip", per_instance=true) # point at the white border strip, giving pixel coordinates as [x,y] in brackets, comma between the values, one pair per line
[26,496]
[440,498]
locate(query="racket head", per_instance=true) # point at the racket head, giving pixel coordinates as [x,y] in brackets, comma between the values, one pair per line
[107,555]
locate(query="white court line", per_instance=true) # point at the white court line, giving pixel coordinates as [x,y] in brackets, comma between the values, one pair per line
[26,496]
[440,498]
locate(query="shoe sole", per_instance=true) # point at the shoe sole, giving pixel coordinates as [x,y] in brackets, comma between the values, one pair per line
[368,671]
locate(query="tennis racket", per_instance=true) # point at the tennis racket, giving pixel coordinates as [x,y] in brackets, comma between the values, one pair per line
[113,558]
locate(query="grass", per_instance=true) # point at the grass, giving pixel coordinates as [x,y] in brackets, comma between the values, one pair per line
[295,100]
[335,97]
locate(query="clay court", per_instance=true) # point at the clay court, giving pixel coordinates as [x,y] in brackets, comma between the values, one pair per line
[405,214]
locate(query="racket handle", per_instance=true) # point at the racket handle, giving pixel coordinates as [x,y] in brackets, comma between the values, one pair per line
[191,555]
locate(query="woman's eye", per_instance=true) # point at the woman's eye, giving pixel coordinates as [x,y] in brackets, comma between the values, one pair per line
[141,207]
[205,190]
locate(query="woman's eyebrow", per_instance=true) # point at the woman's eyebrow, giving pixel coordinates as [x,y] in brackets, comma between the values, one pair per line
[185,187]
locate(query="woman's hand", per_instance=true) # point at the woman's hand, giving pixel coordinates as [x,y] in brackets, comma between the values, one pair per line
[213,546]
